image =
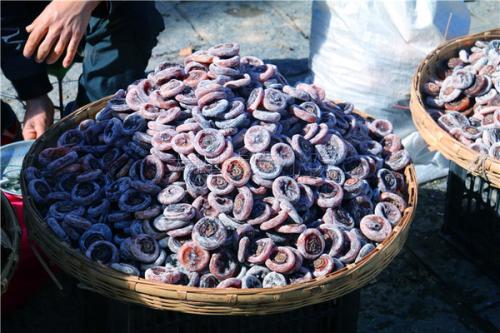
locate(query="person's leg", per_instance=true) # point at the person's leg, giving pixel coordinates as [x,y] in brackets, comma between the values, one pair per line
[118,49]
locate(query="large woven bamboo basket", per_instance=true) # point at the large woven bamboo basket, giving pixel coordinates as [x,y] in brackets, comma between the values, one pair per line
[436,137]
[13,231]
[203,300]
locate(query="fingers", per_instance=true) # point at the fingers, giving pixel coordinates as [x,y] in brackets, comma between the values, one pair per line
[35,127]
[29,132]
[34,40]
[58,50]
[38,117]
[40,128]
[29,28]
[33,24]
[46,46]
[72,48]
[29,135]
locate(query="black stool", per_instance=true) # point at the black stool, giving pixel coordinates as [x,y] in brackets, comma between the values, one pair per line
[472,218]
[102,314]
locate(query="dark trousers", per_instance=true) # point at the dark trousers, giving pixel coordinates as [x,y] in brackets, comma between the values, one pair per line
[117,49]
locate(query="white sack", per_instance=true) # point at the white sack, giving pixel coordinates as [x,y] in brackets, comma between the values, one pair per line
[366,52]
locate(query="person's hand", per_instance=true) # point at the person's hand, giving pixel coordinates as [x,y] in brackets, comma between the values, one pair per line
[59,27]
[38,117]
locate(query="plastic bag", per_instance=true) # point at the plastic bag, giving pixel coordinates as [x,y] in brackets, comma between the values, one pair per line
[366,52]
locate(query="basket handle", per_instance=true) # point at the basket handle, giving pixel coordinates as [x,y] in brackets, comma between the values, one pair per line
[478,165]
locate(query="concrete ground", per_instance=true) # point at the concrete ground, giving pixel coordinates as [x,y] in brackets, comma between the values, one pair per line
[429,287]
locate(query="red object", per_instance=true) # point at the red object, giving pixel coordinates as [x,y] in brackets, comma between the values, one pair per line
[29,276]
[12,134]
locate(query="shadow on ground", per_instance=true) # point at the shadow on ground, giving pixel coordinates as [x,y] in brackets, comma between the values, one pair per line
[294,70]
[430,287]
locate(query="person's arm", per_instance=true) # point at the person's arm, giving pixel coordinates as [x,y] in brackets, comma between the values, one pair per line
[38,117]
[29,78]
[57,29]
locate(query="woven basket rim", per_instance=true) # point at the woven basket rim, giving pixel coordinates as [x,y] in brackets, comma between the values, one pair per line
[14,232]
[92,269]
[433,132]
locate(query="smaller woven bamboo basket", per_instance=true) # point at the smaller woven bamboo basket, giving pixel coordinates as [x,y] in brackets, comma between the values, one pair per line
[126,288]
[436,137]
[13,231]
